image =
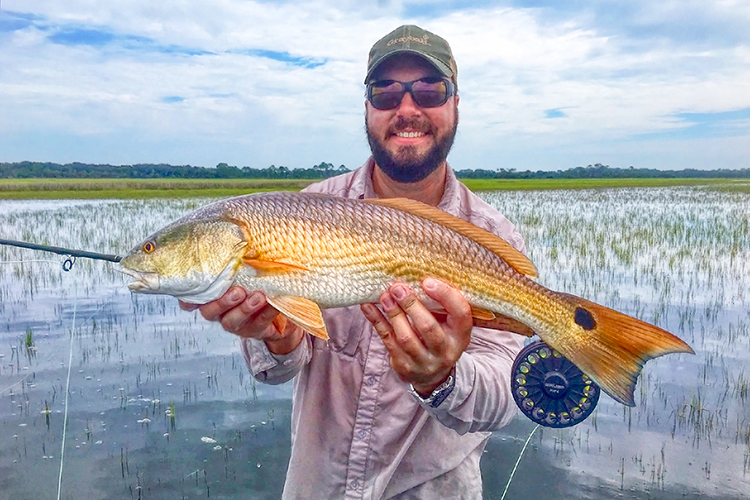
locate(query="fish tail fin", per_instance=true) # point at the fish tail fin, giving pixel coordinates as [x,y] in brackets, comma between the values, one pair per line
[613,346]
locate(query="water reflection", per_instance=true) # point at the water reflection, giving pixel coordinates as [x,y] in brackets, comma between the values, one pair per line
[162,406]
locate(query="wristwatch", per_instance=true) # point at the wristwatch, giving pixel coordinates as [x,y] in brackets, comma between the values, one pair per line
[440,393]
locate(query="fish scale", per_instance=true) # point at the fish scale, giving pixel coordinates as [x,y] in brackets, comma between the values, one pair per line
[308,251]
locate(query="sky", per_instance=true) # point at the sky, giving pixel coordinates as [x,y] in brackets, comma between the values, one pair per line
[543,84]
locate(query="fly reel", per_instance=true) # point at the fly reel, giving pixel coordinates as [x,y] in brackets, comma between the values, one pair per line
[551,390]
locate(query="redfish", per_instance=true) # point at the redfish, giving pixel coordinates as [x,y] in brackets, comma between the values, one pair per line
[312,251]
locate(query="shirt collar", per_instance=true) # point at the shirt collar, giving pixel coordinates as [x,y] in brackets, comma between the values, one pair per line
[362,187]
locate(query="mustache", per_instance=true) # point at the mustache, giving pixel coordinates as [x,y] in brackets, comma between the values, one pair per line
[412,123]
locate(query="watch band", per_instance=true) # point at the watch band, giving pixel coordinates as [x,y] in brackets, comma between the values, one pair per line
[440,393]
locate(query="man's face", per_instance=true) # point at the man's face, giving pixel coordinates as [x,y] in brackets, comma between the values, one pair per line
[410,142]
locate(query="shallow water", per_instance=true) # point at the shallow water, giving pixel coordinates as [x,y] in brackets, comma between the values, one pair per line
[161,404]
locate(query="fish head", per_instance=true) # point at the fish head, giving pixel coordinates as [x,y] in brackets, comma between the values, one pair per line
[193,260]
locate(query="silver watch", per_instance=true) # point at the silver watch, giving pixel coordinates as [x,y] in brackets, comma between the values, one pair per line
[440,393]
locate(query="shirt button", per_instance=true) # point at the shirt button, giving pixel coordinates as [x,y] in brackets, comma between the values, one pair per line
[361,434]
[371,380]
[354,484]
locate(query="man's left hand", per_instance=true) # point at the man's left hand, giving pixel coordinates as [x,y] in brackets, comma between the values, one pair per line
[423,350]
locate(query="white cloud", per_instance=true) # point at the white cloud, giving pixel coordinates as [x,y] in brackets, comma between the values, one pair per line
[134,94]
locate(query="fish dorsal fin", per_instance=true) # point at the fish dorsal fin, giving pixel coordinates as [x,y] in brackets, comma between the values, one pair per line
[302,312]
[492,242]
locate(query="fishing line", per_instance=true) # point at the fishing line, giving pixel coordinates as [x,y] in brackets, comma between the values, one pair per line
[513,472]
[67,391]
[29,262]
[11,386]
[67,265]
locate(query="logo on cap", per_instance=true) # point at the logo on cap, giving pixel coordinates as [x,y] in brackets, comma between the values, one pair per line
[407,39]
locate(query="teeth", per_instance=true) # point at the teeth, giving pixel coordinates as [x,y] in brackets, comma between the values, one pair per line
[409,134]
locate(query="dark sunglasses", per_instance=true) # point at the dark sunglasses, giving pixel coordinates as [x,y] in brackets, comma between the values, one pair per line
[427,92]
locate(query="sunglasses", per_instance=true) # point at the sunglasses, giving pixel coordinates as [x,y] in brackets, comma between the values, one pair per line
[427,92]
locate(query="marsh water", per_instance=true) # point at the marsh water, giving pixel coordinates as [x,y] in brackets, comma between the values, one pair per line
[160,405]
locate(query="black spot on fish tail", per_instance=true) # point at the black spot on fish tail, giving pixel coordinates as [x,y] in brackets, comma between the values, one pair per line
[585,319]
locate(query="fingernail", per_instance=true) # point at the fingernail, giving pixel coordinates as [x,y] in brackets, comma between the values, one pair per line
[399,291]
[234,295]
[429,284]
[255,299]
[387,301]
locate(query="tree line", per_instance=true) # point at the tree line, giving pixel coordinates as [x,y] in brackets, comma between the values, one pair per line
[47,170]
[29,169]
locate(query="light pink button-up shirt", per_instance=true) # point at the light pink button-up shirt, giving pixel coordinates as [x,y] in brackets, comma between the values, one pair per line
[357,432]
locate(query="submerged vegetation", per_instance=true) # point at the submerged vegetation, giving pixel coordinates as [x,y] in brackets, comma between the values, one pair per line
[161,403]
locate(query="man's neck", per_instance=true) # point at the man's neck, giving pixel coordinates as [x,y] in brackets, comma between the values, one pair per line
[429,190]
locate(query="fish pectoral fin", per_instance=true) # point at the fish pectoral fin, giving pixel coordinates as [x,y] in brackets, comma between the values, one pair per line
[482,314]
[302,312]
[272,267]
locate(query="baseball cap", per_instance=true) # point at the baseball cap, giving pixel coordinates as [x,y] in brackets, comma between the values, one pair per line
[410,39]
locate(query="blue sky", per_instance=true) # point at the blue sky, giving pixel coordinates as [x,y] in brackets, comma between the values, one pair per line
[544,85]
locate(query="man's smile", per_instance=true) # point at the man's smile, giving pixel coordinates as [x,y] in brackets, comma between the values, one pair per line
[409,135]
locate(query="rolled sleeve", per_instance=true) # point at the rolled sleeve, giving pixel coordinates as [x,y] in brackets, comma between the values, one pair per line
[272,368]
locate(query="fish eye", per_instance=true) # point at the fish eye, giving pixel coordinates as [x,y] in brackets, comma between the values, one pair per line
[149,247]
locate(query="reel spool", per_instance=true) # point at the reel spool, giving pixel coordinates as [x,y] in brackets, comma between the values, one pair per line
[551,390]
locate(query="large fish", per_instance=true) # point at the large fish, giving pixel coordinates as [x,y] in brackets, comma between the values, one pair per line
[312,251]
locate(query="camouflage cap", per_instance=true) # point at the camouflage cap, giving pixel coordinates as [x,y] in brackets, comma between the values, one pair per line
[410,39]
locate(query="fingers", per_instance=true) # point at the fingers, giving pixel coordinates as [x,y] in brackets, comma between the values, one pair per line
[455,304]
[242,314]
[422,348]
[401,305]
[213,311]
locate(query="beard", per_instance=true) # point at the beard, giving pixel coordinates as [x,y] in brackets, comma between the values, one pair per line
[406,165]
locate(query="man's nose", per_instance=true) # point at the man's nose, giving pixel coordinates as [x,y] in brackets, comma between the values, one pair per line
[408,107]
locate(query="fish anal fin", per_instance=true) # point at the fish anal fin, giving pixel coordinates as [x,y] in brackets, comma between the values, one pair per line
[504,323]
[280,322]
[612,347]
[272,267]
[490,241]
[302,312]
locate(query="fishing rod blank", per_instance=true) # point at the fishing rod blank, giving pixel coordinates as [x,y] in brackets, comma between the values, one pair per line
[71,253]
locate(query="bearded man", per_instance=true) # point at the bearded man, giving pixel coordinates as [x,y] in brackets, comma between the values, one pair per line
[398,403]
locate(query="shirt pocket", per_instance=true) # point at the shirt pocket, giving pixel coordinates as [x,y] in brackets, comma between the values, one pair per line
[346,327]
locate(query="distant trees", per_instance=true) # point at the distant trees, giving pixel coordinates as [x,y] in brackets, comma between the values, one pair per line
[599,171]
[28,169]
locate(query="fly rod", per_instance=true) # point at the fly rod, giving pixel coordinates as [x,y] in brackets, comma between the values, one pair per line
[68,264]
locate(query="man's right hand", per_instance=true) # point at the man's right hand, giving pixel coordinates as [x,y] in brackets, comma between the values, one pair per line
[250,316]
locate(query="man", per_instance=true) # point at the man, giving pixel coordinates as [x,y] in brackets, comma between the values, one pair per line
[398,403]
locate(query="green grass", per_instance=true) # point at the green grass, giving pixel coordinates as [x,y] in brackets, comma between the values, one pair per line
[181,188]
[542,184]
[140,188]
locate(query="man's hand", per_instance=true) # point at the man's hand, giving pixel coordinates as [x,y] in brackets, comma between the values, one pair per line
[423,354]
[250,316]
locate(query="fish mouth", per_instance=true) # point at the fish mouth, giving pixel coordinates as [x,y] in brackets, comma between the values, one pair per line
[142,281]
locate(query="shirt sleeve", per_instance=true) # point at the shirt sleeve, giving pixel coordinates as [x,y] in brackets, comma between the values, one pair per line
[272,368]
[481,399]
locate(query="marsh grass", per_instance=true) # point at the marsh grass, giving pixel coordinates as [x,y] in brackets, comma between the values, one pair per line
[677,256]
[16,189]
